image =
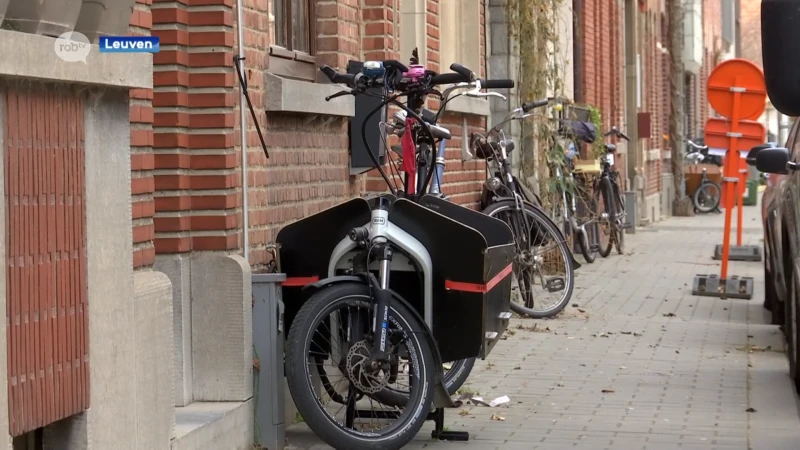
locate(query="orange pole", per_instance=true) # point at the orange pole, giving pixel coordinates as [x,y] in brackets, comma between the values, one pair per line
[742,189]
[730,178]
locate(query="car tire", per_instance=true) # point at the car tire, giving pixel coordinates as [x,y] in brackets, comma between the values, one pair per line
[769,288]
[792,308]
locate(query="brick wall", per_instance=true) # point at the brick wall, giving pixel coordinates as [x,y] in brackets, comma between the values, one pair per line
[142,186]
[196,178]
[185,139]
[308,169]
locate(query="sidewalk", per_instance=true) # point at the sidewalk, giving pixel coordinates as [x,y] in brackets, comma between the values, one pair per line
[618,371]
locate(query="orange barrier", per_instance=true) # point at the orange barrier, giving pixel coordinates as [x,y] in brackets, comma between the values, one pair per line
[736,91]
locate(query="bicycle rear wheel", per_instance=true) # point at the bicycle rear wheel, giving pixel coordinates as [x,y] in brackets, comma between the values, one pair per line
[604,201]
[707,197]
[587,239]
[543,260]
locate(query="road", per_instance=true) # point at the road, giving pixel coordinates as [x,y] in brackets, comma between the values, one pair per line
[636,361]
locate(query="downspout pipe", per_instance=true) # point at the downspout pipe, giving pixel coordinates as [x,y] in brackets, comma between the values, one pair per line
[243,130]
[577,50]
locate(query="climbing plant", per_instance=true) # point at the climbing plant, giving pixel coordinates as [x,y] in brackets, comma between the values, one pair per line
[534,30]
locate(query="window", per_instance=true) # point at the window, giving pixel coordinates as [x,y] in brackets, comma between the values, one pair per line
[293,39]
[459,39]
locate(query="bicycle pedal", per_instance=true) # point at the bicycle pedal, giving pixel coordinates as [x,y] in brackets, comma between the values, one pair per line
[555,284]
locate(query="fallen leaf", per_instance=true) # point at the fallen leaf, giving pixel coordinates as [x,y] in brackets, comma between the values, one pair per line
[625,332]
[669,315]
[607,391]
[574,305]
[256,364]
[498,418]
[750,410]
[517,368]
[464,412]
[581,310]
[637,334]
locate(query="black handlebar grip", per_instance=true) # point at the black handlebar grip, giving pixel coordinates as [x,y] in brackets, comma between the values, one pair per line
[449,78]
[497,84]
[534,104]
[396,64]
[458,68]
[339,78]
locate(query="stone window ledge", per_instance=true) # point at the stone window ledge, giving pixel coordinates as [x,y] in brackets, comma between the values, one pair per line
[287,95]
[34,57]
[469,105]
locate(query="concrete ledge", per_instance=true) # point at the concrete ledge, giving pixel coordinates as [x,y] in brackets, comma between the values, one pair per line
[469,105]
[34,57]
[178,269]
[104,17]
[152,297]
[222,328]
[3,8]
[214,425]
[52,17]
[287,95]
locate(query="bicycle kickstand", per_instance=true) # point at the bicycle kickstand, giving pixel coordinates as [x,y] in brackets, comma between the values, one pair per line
[445,435]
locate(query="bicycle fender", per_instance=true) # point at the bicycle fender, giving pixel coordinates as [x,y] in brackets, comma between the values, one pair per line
[441,398]
[317,285]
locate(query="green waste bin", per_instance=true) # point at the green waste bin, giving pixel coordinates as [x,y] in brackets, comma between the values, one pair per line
[751,194]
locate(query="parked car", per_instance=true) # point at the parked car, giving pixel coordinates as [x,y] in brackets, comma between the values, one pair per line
[781,217]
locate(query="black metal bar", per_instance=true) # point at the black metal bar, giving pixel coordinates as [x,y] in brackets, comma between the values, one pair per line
[243,84]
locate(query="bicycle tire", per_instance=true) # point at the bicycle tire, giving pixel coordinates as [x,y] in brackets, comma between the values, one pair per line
[707,208]
[603,196]
[453,380]
[546,222]
[298,377]
[619,211]
[583,237]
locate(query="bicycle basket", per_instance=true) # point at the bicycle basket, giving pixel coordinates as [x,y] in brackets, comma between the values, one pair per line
[582,131]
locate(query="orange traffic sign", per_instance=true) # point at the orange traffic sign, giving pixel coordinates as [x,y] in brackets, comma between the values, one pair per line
[718,135]
[737,75]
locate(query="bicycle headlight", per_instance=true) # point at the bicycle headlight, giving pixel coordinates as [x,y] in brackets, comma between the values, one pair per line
[493,184]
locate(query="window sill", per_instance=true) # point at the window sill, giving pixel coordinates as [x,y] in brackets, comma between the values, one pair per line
[469,105]
[287,95]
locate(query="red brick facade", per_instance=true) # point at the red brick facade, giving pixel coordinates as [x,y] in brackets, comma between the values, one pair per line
[142,163]
[603,61]
[186,153]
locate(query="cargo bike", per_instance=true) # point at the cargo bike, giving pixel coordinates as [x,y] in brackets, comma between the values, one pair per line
[383,292]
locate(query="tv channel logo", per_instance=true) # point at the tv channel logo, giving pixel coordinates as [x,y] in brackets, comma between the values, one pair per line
[129,44]
[72,47]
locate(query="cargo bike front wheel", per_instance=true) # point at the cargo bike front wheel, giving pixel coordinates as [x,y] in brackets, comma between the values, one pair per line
[336,387]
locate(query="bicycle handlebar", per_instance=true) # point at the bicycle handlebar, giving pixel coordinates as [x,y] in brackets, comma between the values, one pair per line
[497,84]
[534,104]
[615,132]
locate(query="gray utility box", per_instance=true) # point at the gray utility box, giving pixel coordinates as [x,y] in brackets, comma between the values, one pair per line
[268,350]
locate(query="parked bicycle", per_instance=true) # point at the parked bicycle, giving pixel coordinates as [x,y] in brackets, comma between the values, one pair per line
[543,264]
[578,226]
[609,200]
[708,194]
[393,286]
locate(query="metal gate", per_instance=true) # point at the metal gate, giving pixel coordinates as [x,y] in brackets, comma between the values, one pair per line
[45,226]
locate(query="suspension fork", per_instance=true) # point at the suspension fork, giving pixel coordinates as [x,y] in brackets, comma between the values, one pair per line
[383,297]
[436,183]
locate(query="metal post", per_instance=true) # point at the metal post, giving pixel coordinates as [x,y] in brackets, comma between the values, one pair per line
[631,110]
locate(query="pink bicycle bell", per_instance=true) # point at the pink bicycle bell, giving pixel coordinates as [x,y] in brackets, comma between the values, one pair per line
[415,72]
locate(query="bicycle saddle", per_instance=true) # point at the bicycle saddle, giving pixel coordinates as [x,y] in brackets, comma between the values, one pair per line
[695,156]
